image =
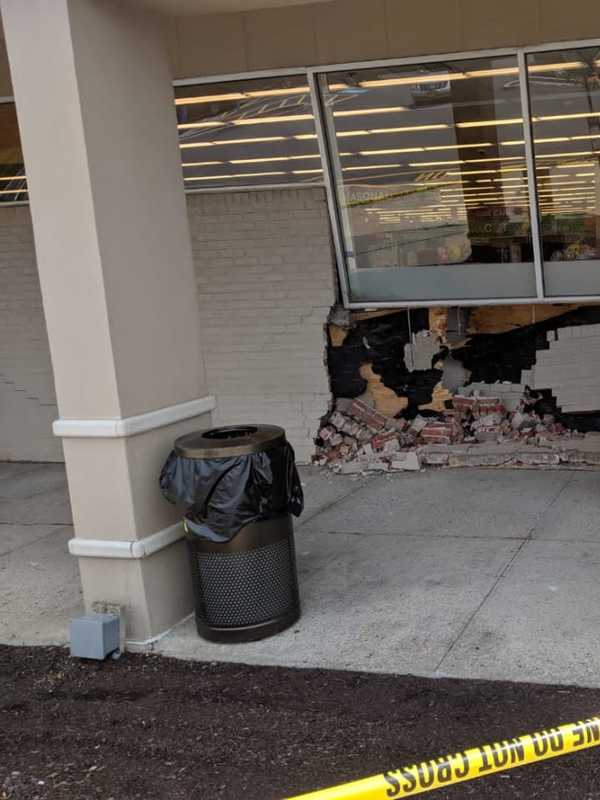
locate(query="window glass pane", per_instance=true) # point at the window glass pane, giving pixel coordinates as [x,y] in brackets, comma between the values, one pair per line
[247,133]
[13,185]
[564,91]
[431,180]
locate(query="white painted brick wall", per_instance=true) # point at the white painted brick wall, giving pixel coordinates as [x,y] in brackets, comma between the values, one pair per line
[265,286]
[27,398]
[570,368]
[419,353]
[265,275]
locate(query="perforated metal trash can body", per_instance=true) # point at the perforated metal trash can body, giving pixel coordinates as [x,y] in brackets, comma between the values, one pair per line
[245,588]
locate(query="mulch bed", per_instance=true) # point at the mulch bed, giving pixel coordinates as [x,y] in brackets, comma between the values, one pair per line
[150,727]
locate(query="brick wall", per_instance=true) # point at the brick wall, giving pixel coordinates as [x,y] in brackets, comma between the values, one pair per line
[265,285]
[27,398]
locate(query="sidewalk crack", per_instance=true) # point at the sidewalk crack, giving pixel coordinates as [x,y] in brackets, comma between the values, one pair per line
[505,570]
[360,485]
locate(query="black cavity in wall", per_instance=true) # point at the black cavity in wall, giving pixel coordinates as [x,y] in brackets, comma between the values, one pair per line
[502,357]
[495,357]
[380,341]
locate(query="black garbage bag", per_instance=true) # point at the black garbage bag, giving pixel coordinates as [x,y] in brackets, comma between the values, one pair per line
[221,495]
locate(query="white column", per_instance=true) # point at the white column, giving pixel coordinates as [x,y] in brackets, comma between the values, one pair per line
[98,127]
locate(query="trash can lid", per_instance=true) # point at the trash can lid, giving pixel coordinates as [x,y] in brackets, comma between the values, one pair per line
[231,440]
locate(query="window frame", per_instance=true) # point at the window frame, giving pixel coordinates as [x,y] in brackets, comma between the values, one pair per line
[521,55]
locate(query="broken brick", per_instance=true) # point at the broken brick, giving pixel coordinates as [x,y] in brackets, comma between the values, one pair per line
[437,439]
[338,420]
[343,404]
[361,411]
[489,405]
[488,420]
[464,403]
[326,433]
[355,429]
[365,435]
[378,466]
[418,424]
[439,432]
[487,434]
[434,457]
[391,446]
[406,462]
[379,440]
[334,454]
[537,458]
[351,468]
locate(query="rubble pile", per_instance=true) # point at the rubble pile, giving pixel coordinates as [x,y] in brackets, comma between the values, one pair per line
[356,437]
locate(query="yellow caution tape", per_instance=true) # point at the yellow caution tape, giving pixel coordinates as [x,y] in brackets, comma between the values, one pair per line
[437,773]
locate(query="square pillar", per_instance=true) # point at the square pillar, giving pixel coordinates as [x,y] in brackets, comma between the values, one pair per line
[97,119]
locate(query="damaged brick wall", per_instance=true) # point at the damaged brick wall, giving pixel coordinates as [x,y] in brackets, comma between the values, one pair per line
[265,274]
[511,377]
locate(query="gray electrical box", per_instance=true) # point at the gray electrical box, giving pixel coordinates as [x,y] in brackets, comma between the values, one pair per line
[94,636]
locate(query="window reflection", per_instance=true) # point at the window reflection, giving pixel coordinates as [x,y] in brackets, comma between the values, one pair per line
[431,180]
[247,133]
[564,92]
[13,184]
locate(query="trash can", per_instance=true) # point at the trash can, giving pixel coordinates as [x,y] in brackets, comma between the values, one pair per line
[238,486]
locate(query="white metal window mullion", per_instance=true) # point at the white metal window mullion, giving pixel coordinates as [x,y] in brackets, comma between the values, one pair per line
[531,177]
[332,203]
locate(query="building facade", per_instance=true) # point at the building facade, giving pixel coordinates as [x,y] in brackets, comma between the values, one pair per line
[203,187]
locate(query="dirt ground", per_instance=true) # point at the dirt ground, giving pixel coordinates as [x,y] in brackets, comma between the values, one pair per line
[151,727]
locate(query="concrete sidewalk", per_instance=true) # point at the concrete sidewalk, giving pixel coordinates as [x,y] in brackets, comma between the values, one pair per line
[471,573]
[39,581]
[467,573]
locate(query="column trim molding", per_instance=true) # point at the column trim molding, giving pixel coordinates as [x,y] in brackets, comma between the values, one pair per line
[126,548]
[122,427]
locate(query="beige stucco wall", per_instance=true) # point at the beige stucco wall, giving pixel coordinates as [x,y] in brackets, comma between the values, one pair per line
[351,30]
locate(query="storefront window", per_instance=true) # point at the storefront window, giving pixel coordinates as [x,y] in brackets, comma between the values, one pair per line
[13,185]
[564,89]
[247,133]
[427,167]
[431,180]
